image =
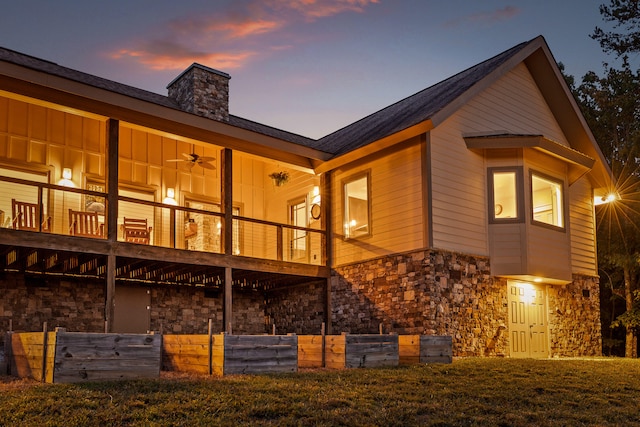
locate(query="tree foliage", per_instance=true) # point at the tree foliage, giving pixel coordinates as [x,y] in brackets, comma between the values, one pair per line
[625,36]
[611,106]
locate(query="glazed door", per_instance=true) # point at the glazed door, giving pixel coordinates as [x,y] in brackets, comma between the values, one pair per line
[527,320]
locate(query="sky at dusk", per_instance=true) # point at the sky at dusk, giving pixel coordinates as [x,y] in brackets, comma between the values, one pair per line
[305,66]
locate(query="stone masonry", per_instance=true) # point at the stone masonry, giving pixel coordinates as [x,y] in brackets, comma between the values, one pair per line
[574,318]
[299,309]
[203,91]
[444,293]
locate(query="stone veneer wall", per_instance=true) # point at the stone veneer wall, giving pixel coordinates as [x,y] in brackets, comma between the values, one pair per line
[187,310]
[574,318]
[203,91]
[424,292]
[299,309]
[75,305]
[443,293]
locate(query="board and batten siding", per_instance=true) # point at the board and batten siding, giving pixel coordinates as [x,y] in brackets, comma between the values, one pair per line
[396,206]
[583,230]
[514,105]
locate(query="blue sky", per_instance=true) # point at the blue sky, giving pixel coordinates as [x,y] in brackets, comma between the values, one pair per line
[305,66]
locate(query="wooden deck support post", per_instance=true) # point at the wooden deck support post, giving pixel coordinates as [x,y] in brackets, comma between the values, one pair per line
[227,205]
[112,139]
[326,224]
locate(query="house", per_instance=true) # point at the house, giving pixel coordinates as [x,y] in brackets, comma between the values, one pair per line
[467,209]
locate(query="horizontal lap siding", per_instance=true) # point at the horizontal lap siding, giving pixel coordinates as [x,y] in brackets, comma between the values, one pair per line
[583,247]
[508,243]
[459,191]
[396,207]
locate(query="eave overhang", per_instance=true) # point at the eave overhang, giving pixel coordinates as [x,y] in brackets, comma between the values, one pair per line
[68,94]
[579,163]
[374,147]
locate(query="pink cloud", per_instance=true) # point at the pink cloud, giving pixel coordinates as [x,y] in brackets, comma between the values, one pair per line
[314,9]
[222,40]
[161,55]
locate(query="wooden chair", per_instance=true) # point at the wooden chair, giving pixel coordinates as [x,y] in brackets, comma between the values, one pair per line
[85,224]
[136,231]
[26,216]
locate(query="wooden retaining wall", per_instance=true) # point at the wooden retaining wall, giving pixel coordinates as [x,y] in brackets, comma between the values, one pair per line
[361,351]
[223,354]
[97,357]
[254,354]
[311,351]
[31,354]
[77,357]
[425,349]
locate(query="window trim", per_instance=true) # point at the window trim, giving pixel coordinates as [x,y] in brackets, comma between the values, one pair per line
[561,183]
[519,218]
[351,178]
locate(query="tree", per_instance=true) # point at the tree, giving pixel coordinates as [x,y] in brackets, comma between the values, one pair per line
[625,16]
[612,109]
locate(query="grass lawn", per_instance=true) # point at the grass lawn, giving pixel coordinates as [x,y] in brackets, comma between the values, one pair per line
[493,392]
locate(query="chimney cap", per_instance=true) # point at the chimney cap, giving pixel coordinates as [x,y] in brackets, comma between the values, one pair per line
[202,67]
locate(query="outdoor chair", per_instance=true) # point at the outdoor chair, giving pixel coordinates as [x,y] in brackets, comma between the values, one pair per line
[136,231]
[85,224]
[26,216]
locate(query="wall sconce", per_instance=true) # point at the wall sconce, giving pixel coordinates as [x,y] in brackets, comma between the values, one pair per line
[170,199]
[66,181]
[315,211]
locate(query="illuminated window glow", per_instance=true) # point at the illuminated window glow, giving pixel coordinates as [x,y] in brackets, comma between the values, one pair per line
[547,200]
[356,207]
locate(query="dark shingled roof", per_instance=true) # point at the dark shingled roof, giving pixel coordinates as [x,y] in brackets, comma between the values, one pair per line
[394,118]
[52,68]
[412,110]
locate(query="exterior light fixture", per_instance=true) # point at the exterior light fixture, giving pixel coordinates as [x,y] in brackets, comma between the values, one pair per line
[171,197]
[607,198]
[66,181]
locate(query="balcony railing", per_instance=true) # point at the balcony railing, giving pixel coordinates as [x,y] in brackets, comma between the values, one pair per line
[72,211]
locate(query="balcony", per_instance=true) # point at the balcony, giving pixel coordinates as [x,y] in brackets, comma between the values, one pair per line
[67,229]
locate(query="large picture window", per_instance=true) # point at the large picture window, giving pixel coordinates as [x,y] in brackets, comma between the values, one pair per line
[505,203]
[547,200]
[356,207]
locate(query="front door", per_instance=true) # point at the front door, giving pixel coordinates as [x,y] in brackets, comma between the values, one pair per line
[527,320]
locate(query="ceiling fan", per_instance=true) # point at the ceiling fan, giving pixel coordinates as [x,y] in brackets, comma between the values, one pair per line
[195,159]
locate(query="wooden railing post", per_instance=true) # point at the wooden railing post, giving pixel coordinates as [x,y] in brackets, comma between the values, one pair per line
[279,244]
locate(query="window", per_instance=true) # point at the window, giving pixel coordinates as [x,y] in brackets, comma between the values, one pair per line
[357,219]
[298,238]
[505,203]
[547,200]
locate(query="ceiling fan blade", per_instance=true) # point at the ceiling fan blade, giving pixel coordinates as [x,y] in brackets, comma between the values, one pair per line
[190,157]
[206,159]
[207,165]
[176,160]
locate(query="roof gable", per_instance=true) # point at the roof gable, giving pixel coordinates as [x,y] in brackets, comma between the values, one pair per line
[415,109]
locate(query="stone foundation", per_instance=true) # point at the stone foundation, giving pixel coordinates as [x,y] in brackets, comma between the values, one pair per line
[444,293]
[25,304]
[298,309]
[574,318]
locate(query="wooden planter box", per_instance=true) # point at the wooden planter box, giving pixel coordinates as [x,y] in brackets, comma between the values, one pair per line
[361,351]
[416,349]
[67,357]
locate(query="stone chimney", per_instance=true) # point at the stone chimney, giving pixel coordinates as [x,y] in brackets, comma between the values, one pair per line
[203,91]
